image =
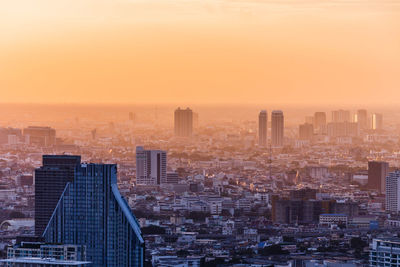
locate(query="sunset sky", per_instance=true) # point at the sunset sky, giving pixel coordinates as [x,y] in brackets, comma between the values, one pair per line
[200,51]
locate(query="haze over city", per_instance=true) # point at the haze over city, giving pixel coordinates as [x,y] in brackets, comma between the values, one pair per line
[200,52]
[200,133]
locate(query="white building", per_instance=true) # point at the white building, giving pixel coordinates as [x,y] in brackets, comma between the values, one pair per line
[393,192]
[332,219]
[151,166]
[384,252]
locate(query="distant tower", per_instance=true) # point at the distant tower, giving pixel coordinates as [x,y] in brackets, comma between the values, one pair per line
[341,115]
[277,128]
[377,121]
[362,119]
[151,166]
[306,131]
[262,128]
[320,122]
[183,122]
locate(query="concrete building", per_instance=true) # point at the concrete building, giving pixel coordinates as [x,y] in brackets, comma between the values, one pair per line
[183,122]
[384,252]
[393,192]
[277,128]
[262,128]
[377,172]
[151,166]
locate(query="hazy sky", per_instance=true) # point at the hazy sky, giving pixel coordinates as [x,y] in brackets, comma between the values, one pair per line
[200,51]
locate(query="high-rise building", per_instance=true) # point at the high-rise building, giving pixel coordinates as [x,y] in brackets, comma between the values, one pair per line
[336,129]
[262,128]
[377,121]
[40,136]
[341,115]
[50,181]
[393,192]
[183,122]
[384,252]
[277,128]
[377,172]
[306,131]
[362,119]
[151,166]
[320,122]
[92,212]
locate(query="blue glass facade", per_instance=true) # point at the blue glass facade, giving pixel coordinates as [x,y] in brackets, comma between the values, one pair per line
[92,212]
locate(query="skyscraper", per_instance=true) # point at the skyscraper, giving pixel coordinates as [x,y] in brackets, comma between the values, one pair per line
[40,136]
[262,128]
[341,115]
[92,212]
[362,119]
[393,192]
[320,122]
[151,166]
[306,131]
[377,172]
[50,181]
[377,121]
[277,128]
[183,122]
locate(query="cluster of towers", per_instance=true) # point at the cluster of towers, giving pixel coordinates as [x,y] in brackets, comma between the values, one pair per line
[277,128]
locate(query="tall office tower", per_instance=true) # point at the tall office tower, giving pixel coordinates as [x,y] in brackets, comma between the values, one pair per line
[277,128]
[393,192]
[50,180]
[377,121]
[92,212]
[377,172]
[362,119]
[306,131]
[183,122]
[151,166]
[40,136]
[320,122]
[262,128]
[341,116]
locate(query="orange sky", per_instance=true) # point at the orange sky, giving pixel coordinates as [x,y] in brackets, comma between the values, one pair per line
[200,51]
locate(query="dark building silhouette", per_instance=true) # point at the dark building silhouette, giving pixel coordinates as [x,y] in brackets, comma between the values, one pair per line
[377,172]
[183,122]
[50,181]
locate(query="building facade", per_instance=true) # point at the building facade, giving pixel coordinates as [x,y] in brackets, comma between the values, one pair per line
[262,128]
[277,128]
[183,122]
[377,172]
[92,212]
[50,181]
[151,166]
[393,192]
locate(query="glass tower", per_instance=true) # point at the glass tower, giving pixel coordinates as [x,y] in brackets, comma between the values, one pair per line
[92,212]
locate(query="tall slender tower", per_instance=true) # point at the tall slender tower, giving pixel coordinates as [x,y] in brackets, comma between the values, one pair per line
[277,128]
[362,119]
[262,128]
[377,121]
[183,122]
